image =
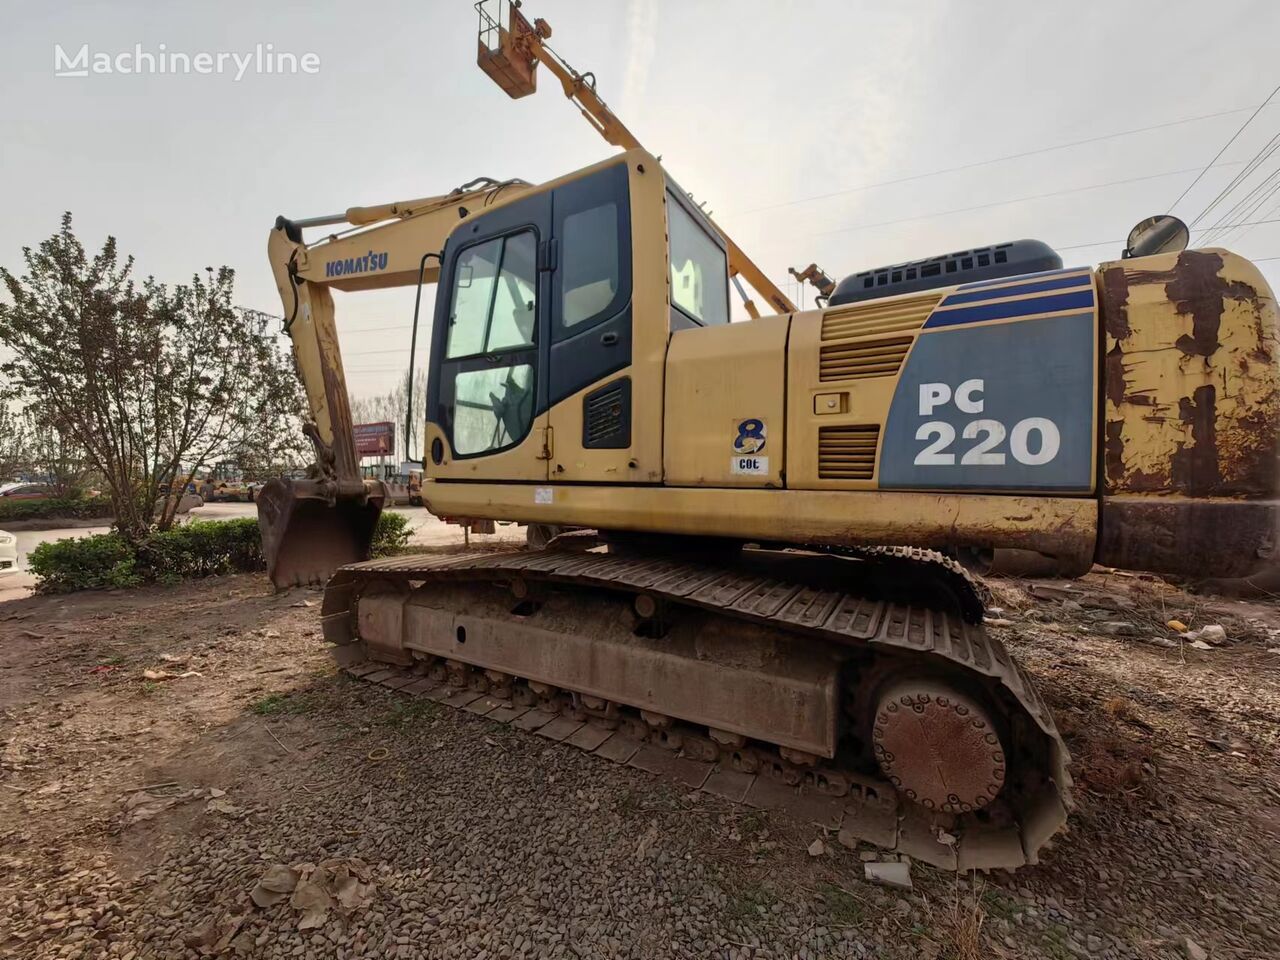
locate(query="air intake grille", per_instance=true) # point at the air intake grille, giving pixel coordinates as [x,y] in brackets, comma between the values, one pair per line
[905,315]
[857,359]
[606,416]
[847,453]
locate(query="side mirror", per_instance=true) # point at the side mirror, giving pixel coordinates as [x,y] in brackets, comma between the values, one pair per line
[1159,234]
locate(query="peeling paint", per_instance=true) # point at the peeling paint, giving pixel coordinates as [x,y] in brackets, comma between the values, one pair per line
[1191,384]
[1115,300]
[1194,467]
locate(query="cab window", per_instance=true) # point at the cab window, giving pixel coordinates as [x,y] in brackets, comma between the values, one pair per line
[493,408]
[699,270]
[492,319]
[494,301]
[590,274]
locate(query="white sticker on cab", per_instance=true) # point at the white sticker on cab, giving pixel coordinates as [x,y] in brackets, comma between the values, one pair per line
[749,466]
[543,494]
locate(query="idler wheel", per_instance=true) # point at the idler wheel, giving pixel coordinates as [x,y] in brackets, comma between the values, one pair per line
[937,746]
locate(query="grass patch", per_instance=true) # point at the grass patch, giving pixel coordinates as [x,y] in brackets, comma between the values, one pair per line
[406,712]
[282,704]
[150,688]
[843,908]
[963,924]
[1054,940]
[628,805]
[1000,905]
[755,821]
[751,904]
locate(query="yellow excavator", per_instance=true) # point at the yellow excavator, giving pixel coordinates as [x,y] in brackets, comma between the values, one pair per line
[748,572]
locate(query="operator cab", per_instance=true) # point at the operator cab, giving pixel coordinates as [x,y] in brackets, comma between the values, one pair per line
[552,323]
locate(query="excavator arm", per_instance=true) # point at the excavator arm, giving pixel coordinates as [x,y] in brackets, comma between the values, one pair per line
[312,526]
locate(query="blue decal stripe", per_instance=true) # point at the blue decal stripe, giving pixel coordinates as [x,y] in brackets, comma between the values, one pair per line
[1043,286]
[979,284]
[1005,309]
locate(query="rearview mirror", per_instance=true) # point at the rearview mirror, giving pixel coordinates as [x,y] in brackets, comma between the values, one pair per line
[1159,234]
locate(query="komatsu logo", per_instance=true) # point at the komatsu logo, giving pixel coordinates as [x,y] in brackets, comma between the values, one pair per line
[370,263]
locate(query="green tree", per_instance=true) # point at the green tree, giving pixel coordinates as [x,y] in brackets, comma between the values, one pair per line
[15,444]
[151,382]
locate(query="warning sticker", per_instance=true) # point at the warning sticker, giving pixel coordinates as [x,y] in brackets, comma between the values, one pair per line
[749,466]
[543,494]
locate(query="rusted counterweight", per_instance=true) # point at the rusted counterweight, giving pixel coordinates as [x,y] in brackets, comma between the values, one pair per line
[310,528]
[1192,416]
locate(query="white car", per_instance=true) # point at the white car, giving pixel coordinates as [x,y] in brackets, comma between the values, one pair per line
[8,550]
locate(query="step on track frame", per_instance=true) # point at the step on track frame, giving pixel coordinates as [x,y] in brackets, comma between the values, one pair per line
[757,774]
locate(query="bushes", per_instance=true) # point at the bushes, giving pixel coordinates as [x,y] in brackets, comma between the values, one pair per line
[391,535]
[201,548]
[84,563]
[55,508]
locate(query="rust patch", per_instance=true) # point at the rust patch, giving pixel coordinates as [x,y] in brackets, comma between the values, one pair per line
[1198,290]
[1115,302]
[1247,451]
[1115,382]
[1194,469]
[1229,538]
[1113,453]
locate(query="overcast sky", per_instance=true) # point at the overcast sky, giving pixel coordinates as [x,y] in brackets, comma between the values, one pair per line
[756,107]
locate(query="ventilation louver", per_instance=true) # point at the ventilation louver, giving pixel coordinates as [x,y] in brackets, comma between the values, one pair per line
[606,416]
[857,341]
[847,453]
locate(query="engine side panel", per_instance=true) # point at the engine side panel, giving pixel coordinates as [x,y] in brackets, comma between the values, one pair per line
[990,386]
[725,398]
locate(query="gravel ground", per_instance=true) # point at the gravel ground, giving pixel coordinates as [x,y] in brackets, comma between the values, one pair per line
[418,831]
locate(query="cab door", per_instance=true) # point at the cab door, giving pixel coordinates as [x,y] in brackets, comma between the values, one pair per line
[486,418]
[592,380]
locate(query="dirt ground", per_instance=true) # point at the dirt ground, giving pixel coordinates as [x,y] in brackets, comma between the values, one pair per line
[137,814]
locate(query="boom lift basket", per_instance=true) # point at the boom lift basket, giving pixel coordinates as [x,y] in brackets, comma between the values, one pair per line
[502,54]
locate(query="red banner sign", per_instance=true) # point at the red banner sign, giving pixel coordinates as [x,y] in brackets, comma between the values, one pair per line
[375,439]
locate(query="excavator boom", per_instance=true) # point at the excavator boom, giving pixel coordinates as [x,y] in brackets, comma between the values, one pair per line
[312,526]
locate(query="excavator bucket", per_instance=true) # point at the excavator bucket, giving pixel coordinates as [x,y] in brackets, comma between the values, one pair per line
[309,530]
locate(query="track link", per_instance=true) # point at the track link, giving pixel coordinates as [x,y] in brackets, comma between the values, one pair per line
[840,795]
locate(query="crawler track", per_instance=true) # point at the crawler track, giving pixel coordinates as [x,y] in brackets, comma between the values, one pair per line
[811,607]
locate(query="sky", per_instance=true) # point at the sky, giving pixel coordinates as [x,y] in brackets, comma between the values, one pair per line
[786,118]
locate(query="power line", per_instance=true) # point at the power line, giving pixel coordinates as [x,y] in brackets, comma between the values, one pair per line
[983,163]
[1247,207]
[1001,203]
[1256,161]
[1224,149]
